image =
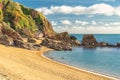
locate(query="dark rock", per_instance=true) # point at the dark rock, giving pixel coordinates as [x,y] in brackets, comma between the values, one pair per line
[102,44]
[6,30]
[73,38]
[20,44]
[66,39]
[30,46]
[89,41]
[5,40]
[111,45]
[55,44]
[31,40]
[118,44]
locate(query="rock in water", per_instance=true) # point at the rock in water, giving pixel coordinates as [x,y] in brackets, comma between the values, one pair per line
[89,41]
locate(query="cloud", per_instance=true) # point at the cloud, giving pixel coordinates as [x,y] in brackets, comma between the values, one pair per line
[53,23]
[100,9]
[45,10]
[91,27]
[93,23]
[66,22]
[83,23]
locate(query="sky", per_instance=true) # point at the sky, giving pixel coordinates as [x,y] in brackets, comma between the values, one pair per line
[80,16]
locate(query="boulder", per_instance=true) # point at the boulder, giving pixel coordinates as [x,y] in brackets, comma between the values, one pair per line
[118,44]
[55,44]
[89,41]
[66,39]
[102,44]
[6,30]
[31,40]
[20,44]
[5,40]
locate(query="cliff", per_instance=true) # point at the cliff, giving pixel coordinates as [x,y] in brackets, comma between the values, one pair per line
[18,22]
[26,21]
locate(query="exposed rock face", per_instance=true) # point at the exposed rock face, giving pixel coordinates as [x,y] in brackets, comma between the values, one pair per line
[31,40]
[89,41]
[5,40]
[66,39]
[18,22]
[30,46]
[55,44]
[6,30]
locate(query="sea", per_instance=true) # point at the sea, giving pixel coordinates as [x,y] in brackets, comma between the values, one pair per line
[104,60]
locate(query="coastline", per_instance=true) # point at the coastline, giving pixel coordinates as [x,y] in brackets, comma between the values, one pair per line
[82,70]
[22,64]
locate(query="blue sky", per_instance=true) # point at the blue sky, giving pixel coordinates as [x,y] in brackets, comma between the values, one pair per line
[80,16]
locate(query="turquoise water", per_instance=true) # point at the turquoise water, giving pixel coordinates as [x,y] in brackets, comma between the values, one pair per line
[101,60]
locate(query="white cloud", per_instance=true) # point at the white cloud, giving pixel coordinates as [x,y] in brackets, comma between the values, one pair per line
[53,23]
[45,10]
[90,16]
[101,9]
[83,23]
[65,22]
[93,22]
[92,28]
[104,9]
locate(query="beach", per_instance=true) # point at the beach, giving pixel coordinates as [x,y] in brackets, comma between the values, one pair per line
[22,64]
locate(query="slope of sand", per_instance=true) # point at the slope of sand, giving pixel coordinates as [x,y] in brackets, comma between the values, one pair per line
[22,64]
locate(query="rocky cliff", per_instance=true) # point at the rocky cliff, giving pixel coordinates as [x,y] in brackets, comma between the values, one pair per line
[26,21]
[18,22]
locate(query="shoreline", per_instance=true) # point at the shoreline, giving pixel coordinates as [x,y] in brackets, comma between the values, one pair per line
[22,64]
[69,66]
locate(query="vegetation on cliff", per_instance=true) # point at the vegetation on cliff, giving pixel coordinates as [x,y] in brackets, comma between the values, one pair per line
[18,22]
[24,20]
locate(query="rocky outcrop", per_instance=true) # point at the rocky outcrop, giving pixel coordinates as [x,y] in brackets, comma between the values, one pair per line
[55,44]
[89,41]
[31,40]
[5,40]
[30,46]
[66,39]
[18,22]
[102,44]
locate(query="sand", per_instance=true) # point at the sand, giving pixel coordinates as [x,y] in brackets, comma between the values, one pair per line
[22,64]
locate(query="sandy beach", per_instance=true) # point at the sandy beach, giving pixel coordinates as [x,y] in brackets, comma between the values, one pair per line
[22,64]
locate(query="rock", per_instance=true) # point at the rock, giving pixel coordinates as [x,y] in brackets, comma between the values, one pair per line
[29,46]
[66,39]
[6,30]
[55,44]
[20,44]
[89,41]
[118,44]
[5,40]
[73,38]
[102,44]
[111,45]
[31,40]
